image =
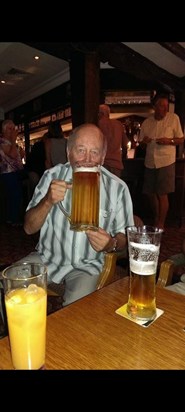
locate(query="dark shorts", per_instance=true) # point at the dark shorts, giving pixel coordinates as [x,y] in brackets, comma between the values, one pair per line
[160,181]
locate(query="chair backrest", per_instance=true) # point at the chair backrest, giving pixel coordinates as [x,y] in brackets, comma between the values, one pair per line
[166,273]
[109,267]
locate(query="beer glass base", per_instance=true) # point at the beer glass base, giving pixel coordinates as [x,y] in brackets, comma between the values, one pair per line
[83,228]
[136,314]
[42,368]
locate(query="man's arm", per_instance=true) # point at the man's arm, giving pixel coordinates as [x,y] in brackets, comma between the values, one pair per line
[170,141]
[35,217]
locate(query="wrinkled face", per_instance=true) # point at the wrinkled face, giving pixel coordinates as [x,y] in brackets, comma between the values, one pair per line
[161,108]
[88,147]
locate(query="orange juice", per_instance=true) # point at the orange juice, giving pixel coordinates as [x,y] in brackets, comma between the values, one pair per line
[26,314]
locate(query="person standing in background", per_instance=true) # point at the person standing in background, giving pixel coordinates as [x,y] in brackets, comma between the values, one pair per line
[116,140]
[10,172]
[55,145]
[160,133]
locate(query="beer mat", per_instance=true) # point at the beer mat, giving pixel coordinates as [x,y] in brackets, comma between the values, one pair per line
[145,323]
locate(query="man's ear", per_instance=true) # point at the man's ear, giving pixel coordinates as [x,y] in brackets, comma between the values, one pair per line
[102,161]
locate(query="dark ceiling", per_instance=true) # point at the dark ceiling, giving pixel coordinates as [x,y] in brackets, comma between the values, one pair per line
[122,57]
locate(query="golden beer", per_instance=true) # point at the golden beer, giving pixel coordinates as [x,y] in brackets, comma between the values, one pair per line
[85,198]
[141,304]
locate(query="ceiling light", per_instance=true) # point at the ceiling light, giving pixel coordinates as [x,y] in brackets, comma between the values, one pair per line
[3,81]
[36,57]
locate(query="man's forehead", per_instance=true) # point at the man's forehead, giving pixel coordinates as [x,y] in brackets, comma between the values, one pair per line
[85,143]
[88,135]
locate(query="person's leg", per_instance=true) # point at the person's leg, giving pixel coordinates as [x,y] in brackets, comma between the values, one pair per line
[163,210]
[165,183]
[154,205]
[149,185]
[77,285]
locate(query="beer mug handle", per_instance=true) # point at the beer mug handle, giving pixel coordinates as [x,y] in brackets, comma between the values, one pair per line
[62,208]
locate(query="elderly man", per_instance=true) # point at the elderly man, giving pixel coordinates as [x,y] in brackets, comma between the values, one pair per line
[77,257]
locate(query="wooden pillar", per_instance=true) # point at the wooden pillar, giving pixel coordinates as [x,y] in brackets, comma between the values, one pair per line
[85,87]
[180,110]
[92,87]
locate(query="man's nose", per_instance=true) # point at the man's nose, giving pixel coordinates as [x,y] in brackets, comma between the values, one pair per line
[88,157]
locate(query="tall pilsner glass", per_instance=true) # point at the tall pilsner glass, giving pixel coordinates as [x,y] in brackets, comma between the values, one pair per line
[143,245]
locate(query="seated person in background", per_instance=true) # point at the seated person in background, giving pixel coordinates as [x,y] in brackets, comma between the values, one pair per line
[55,145]
[179,271]
[117,140]
[77,257]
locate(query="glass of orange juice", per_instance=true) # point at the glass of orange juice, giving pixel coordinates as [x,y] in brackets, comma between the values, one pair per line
[25,287]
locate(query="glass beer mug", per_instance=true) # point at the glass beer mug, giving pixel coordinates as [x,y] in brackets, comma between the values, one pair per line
[85,197]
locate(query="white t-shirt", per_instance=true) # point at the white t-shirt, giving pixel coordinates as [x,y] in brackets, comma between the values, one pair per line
[160,155]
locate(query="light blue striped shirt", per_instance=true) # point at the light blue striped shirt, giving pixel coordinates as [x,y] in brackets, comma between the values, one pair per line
[62,249]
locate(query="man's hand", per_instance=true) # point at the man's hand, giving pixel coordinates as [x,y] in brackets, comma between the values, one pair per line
[57,191]
[98,239]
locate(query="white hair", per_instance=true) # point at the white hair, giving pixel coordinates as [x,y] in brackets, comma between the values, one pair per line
[5,124]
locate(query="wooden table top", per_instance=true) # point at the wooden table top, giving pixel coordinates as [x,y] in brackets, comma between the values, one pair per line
[88,334]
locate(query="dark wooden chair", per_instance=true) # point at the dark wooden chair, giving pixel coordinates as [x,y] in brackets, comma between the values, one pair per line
[169,269]
[109,267]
